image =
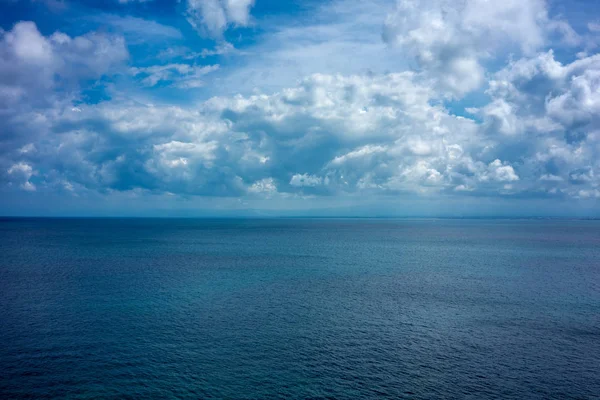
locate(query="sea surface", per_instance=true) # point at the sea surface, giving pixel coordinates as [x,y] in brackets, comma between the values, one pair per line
[299,309]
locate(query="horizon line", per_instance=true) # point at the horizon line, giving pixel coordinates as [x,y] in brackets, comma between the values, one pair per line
[255,217]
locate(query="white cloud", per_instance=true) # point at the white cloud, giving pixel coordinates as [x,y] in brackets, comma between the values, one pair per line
[451,40]
[180,75]
[238,11]
[264,186]
[31,62]
[348,130]
[347,134]
[221,48]
[213,17]
[306,180]
[333,37]
[40,77]
[22,173]
[501,172]
[361,153]
[580,104]
[550,112]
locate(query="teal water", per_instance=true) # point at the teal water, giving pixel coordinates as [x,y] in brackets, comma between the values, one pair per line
[298,309]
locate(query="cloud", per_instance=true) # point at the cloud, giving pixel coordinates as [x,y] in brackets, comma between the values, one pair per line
[331,134]
[232,146]
[306,180]
[547,114]
[220,49]
[277,129]
[40,75]
[33,66]
[22,173]
[336,135]
[501,172]
[450,40]
[264,186]
[333,37]
[179,75]
[213,17]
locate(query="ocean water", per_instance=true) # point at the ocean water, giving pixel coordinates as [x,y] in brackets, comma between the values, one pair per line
[299,309]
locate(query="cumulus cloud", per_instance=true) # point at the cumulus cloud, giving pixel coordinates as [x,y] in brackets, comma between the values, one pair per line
[536,133]
[546,113]
[347,134]
[265,186]
[501,172]
[213,17]
[333,135]
[38,76]
[450,40]
[382,134]
[22,173]
[306,180]
[33,66]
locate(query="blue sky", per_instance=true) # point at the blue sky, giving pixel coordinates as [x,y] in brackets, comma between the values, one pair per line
[264,107]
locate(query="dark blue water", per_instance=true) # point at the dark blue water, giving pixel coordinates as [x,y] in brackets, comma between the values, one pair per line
[345,309]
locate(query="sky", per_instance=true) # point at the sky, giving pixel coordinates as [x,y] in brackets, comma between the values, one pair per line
[300,108]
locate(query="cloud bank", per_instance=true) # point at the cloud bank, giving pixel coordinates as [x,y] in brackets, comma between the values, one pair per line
[534,132]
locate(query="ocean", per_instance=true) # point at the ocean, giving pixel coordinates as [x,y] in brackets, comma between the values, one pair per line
[299,309]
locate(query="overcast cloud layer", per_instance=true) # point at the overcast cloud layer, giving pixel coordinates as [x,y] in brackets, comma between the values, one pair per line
[229,105]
